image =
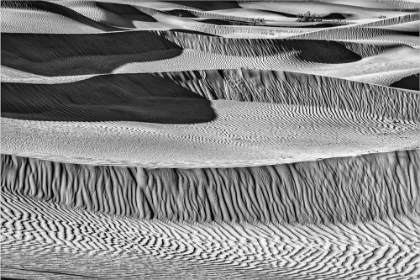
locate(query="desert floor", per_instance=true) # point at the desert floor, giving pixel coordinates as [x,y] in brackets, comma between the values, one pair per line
[210,140]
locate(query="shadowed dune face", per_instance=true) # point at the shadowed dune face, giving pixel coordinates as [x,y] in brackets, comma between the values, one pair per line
[55,55]
[136,97]
[180,13]
[410,82]
[334,16]
[152,110]
[340,190]
[208,5]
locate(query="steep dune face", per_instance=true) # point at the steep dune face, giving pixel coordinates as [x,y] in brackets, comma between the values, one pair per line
[345,190]
[361,213]
[300,89]
[307,50]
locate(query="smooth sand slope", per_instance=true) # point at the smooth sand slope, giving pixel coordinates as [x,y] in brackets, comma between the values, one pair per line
[243,134]
[210,140]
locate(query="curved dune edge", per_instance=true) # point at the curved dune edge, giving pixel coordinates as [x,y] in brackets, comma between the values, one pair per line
[242,134]
[339,190]
[129,90]
[52,11]
[64,54]
[408,82]
[315,51]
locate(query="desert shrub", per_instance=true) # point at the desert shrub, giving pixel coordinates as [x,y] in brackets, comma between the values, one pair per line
[308,17]
[256,21]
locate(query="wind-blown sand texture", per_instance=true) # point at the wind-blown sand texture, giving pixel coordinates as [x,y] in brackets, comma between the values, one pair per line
[191,140]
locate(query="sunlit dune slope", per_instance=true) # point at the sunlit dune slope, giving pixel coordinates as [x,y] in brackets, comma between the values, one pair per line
[242,134]
[44,15]
[307,50]
[300,89]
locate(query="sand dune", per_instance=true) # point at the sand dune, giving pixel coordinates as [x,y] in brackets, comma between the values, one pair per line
[94,100]
[217,250]
[273,87]
[303,193]
[385,246]
[390,78]
[298,89]
[52,10]
[242,134]
[51,54]
[210,140]
[336,52]
[410,82]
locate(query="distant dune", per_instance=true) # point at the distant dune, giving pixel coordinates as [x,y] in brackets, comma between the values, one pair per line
[210,139]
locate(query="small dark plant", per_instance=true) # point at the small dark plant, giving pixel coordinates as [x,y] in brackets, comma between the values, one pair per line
[256,21]
[308,17]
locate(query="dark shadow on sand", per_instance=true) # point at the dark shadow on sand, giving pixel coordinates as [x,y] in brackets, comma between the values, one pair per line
[410,82]
[180,13]
[123,97]
[209,5]
[82,54]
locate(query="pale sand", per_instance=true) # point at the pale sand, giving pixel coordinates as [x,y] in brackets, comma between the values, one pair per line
[207,157]
[315,218]
[242,134]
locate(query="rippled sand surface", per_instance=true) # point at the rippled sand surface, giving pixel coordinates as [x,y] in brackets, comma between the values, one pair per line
[193,140]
